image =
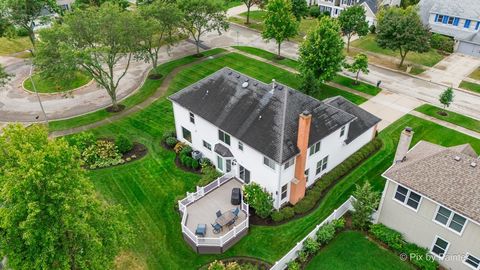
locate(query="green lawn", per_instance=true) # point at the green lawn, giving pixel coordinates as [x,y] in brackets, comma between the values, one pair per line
[10,46]
[147,188]
[361,86]
[475,74]
[452,117]
[233,3]
[470,86]
[368,43]
[47,85]
[352,250]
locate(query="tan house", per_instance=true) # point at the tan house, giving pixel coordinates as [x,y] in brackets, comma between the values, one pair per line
[432,197]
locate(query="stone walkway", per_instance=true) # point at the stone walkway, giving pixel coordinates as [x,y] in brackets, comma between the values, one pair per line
[446,124]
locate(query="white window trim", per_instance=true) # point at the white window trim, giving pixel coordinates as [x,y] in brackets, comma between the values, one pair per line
[321,170]
[406,199]
[449,220]
[223,142]
[313,146]
[191,116]
[240,143]
[465,261]
[290,160]
[274,163]
[433,244]
[203,144]
[286,192]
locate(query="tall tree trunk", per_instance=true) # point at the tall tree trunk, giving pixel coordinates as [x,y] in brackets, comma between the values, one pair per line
[248,14]
[402,57]
[31,36]
[279,44]
[356,78]
[348,43]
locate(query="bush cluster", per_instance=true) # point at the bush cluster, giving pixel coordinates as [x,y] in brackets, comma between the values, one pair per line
[209,173]
[283,214]
[313,194]
[259,199]
[219,265]
[169,138]
[394,240]
[442,43]
[124,144]
[314,11]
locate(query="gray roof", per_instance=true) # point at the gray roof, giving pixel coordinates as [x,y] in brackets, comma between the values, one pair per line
[363,122]
[222,150]
[433,171]
[468,9]
[254,114]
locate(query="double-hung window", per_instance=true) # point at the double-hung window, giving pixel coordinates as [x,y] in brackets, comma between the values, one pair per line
[270,163]
[439,247]
[407,197]
[192,117]
[224,137]
[207,145]
[322,165]
[240,145]
[314,148]
[472,261]
[186,134]
[439,18]
[450,219]
[284,191]
[342,131]
[289,163]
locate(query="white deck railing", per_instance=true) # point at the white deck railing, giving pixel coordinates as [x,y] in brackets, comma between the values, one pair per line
[201,192]
[293,253]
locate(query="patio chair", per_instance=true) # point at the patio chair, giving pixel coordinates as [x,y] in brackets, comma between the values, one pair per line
[216,228]
[236,211]
[219,213]
[201,230]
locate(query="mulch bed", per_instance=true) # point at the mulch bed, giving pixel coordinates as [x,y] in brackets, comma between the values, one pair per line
[138,151]
[442,113]
[241,260]
[179,163]
[155,76]
[120,107]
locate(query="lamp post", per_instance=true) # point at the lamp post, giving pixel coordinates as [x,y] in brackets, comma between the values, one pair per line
[38,96]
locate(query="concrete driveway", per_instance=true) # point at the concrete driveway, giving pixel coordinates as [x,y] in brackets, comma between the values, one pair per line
[452,69]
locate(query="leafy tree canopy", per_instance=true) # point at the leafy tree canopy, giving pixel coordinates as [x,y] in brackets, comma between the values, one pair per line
[353,21]
[365,204]
[280,23]
[51,217]
[446,97]
[299,9]
[4,76]
[97,3]
[360,64]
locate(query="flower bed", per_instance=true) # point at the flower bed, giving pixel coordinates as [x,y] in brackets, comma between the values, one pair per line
[237,263]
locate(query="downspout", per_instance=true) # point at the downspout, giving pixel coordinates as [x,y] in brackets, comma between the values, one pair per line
[282,137]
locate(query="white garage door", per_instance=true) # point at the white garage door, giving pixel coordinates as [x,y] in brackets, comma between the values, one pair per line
[469,48]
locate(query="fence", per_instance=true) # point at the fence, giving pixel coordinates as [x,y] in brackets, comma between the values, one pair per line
[201,192]
[293,253]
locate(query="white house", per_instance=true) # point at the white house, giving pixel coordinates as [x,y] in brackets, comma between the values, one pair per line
[239,123]
[457,19]
[432,197]
[335,7]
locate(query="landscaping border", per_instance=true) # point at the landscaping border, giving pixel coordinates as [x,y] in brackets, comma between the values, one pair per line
[246,259]
[56,93]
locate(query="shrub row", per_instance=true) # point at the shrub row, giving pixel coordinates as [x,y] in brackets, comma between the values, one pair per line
[283,214]
[442,43]
[313,194]
[393,239]
[186,159]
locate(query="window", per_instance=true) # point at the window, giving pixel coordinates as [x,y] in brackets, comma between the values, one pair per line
[219,163]
[192,117]
[450,219]
[407,197]
[450,20]
[244,174]
[440,247]
[307,172]
[284,191]
[342,131]
[187,135]
[289,163]
[224,137]
[240,146]
[322,165]
[207,145]
[439,18]
[228,165]
[315,148]
[477,25]
[270,163]
[472,261]
[467,24]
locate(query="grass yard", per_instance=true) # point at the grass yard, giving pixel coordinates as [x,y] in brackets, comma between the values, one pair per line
[470,86]
[452,117]
[15,45]
[361,86]
[148,188]
[368,43]
[47,85]
[352,250]
[475,74]
[233,3]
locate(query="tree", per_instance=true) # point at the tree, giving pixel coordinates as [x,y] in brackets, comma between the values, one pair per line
[4,76]
[322,50]
[96,40]
[353,21]
[202,16]
[365,204]
[83,4]
[299,9]
[360,64]
[259,199]
[280,24]
[51,217]
[402,30]
[25,13]
[310,84]
[446,98]
[250,4]
[161,22]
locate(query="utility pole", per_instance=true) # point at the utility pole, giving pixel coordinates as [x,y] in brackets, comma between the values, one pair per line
[38,96]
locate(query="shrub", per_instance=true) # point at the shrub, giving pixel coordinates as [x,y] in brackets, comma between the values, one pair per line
[339,224]
[310,246]
[195,164]
[365,204]
[187,161]
[216,265]
[186,150]
[178,147]
[259,199]
[302,256]
[293,265]
[372,29]
[420,257]
[171,141]
[168,134]
[209,174]
[205,162]
[287,212]
[388,236]
[326,233]
[233,266]
[124,144]
[249,266]
[277,216]
[306,204]
[81,140]
[314,11]
[442,43]
[101,154]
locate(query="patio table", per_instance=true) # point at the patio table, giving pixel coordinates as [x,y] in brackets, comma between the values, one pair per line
[225,218]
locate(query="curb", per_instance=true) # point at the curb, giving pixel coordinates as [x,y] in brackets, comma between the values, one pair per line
[55,93]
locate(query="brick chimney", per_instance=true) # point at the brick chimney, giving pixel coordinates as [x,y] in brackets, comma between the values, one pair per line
[298,185]
[403,145]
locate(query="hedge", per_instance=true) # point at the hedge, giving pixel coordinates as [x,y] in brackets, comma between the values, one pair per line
[314,193]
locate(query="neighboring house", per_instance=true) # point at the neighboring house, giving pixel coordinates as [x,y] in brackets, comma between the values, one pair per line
[335,7]
[239,124]
[454,18]
[48,15]
[432,197]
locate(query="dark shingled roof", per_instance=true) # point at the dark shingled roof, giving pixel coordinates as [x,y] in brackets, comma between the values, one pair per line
[364,121]
[372,4]
[222,150]
[253,114]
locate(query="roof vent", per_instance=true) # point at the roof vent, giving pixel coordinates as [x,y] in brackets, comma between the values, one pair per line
[260,117]
[457,158]
[245,85]
[473,164]
[238,76]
